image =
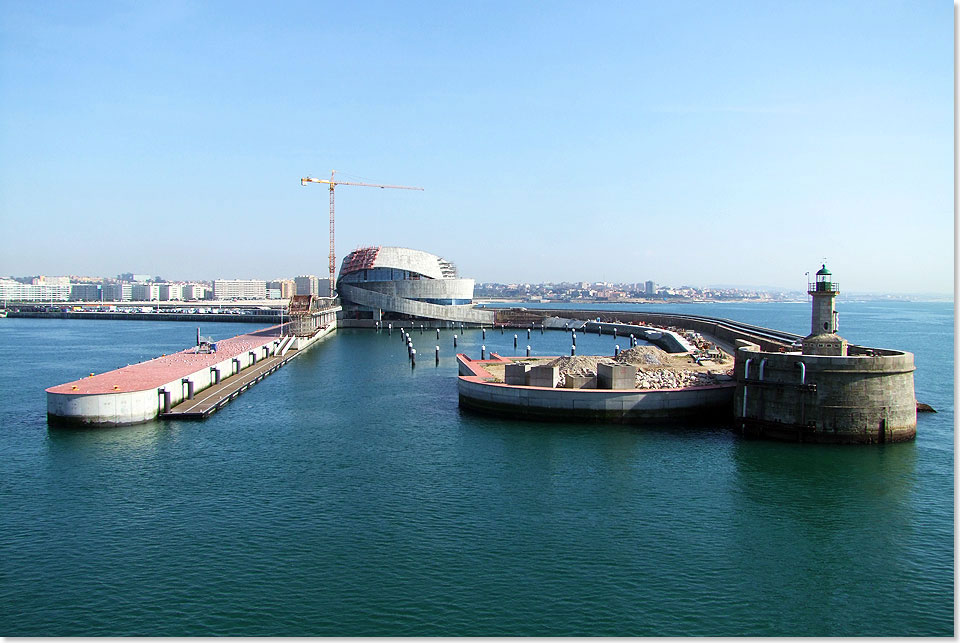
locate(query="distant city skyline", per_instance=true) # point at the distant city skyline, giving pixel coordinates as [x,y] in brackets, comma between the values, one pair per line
[302,284]
[689,144]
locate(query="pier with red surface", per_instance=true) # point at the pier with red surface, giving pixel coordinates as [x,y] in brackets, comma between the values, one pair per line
[160,387]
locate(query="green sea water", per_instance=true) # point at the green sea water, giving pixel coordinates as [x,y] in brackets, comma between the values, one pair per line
[347,494]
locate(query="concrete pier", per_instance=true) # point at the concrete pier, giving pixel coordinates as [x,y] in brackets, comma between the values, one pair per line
[216,396]
[148,390]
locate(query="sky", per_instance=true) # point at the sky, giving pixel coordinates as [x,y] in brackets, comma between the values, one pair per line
[691,143]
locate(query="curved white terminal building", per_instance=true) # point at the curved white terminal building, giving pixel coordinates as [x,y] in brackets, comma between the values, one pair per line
[380,282]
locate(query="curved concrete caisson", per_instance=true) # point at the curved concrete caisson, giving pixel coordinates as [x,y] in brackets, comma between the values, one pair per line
[380,281]
[479,391]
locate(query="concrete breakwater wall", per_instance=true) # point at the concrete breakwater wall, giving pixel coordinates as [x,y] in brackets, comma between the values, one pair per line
[407,324]
[665,339]
[863,398]
[725,330]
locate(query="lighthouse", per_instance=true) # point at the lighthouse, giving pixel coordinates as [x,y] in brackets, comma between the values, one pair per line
[823,338]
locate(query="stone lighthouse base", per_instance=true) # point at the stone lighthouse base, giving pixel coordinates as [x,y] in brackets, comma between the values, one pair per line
[865,397]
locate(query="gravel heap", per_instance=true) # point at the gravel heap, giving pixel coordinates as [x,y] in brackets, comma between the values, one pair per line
[656,369]
[579,364]
[664,378]
[640,356]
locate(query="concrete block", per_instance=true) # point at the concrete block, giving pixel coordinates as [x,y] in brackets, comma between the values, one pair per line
[546,376]
[580,381]
[516,374]
[616,376]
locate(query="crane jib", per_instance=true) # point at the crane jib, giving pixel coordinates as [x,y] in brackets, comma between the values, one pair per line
[333,183]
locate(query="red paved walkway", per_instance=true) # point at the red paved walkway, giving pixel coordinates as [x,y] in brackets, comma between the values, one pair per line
[157,372]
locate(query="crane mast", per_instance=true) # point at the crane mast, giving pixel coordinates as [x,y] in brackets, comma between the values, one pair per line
[333,182]
[333,265]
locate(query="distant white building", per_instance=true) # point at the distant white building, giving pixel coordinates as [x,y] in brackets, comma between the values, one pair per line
[239,289]
[383,282]
[117,291]
[85,292]
[171,292]
[146,292]
[194,292]
[16,291]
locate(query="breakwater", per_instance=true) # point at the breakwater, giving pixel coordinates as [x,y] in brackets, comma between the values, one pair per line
[865,396]
[724,330]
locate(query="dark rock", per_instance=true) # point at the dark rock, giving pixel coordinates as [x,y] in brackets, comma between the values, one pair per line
[925,408]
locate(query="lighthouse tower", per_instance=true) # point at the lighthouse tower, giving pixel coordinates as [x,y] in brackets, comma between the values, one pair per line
[823,338]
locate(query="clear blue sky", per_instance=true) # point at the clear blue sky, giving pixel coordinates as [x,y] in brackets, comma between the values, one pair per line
[689,143]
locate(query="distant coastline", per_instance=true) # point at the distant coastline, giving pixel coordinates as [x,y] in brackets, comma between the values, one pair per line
[695,300]
[623,300]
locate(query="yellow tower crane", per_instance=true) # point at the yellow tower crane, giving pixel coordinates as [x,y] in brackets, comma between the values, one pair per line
[333,182]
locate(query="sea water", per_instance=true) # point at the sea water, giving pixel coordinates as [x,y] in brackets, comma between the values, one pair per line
[347,494]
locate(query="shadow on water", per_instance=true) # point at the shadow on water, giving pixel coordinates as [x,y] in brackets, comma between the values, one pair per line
[686,429]
[827,475]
